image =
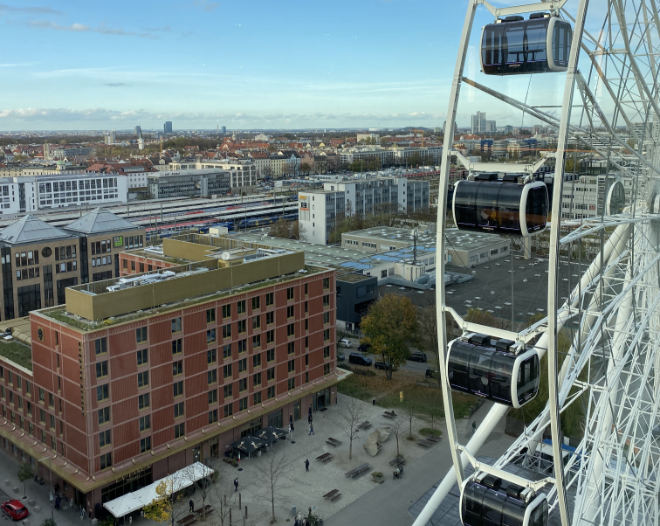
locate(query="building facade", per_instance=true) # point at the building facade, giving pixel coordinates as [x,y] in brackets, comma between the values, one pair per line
[127,384]
[188,183]
[318,214]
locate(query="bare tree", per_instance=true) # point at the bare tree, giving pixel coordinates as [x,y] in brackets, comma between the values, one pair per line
[352,417]
[396,428]
[273,470]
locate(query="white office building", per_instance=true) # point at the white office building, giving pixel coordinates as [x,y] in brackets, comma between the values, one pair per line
[318,213]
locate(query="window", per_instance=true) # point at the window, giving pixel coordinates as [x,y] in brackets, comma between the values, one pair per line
[212,376]
[291,366]
[210,336]
[241,326]
[142,357]
[256,380]
[270,336]
[242,384]
[270,355]
[326,335]
[291,329]
[270,317]
[177,346]
[145,444]
[226,311]
[270,374]
[213,396]
[213,416]
[176,324]
[240,307]
[289,293]
[226,331]
[326,352]
[143,379]
[226,351]
[227,390]
[145,422]
[242,404]
[291,383]
[255,302]
[257,398]
[179,430]
[177,388]
[306,289]
[270,392]
[256,341]
[101,345]
[178,409]
[143,401]
[211,356]
[269,298]
[326,283]
[101,369]
[291,347]
[326,317]
[104,415]
[102,392]
[326,300]
[141,335]
[326,368]
[242,365]
[106,460]
[42,394]
[256,360]
[177,367]
[226,371]
[228,410]
[104,438]
[256,322]
[290,311]
[242,346]
[210,315]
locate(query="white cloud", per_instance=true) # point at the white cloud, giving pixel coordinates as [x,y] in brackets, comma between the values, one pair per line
[77,27]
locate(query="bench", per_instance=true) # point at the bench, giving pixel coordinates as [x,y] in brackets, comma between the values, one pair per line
[205,511]
[332,495]
[187,520]
[389,414]
[365,425]
[325,457]
[425,443]
[333,442]
[358,471]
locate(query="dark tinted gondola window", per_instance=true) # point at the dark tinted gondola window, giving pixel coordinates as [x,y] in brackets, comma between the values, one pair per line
[539,516]
[515,35]
[536,42]
[509,207]
[537,208]
[561,43]
[464,204]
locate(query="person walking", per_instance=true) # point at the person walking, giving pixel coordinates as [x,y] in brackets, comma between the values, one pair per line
[235,484]
[191,505]
[306,464]
[311,429]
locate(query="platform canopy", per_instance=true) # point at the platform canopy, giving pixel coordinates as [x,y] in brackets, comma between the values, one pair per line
[138,499]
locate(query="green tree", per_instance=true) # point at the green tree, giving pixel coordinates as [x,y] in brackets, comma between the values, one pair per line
[24,473]
[389,327]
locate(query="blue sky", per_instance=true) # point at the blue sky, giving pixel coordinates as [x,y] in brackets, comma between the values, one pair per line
[86,64]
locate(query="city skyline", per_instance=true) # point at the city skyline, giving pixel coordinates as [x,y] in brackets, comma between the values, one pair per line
[203,64]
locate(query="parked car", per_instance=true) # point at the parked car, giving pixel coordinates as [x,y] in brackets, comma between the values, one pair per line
[359,359]
[417,356]
[341,356]
[383,365]
[430,373]
[345,342]
[364,347]
[15,509]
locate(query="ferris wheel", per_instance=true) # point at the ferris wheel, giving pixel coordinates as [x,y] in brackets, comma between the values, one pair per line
[598,345]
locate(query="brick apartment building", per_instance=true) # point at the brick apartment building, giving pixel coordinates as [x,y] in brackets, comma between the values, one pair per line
[126,385]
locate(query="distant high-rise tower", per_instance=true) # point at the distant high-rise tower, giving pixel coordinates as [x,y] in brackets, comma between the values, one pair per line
[167,127]
[479,122]
[224,130]
[138,132]
[46,151]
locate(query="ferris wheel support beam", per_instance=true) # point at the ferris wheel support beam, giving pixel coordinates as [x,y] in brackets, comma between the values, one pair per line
[553,401]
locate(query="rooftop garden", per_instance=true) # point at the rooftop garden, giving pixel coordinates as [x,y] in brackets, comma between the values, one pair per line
[17,352]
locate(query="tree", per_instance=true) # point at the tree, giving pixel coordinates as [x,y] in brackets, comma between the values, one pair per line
[389,326]
[352,418]
[272,472]
[161,508]
[24,473]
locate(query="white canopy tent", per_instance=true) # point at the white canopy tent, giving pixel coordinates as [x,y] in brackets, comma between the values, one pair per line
[138,499]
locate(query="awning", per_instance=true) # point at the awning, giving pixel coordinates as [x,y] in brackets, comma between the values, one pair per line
[138,499]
